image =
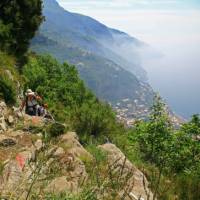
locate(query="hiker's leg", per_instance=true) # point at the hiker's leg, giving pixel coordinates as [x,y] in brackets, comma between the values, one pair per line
[30,111]
[26,111]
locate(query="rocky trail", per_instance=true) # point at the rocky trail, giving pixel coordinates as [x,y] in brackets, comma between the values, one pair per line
[32,166]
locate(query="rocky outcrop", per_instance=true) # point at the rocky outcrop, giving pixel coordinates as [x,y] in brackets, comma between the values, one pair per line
[73,146]
[29,159]
[8,117]
[137,185]
[73,172]
[3,114]
[28,163]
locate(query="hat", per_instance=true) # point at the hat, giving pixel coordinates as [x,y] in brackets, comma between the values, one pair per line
[29,92]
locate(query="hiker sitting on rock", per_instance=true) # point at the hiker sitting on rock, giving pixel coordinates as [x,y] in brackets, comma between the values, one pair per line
[31,103]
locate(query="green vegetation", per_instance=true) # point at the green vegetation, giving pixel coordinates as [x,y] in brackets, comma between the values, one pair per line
[7,90]
[19,20]
[8,79]
[68,98]
[171,158]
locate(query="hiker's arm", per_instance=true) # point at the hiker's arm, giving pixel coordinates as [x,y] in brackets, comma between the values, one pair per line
[38,98]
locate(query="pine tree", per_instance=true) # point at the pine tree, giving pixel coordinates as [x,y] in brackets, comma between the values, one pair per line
[19,21]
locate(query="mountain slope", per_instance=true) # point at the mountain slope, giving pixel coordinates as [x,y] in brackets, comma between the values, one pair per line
[96,50]
[89,34]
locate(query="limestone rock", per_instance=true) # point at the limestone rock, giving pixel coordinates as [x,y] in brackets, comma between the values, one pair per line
[10,119]
[3,108]
[33,121]
[72,169]
[59,151]
[3,126]
[11,176]
[3,104]
[60,185]
[24,156]
[51,151]
[138,181]
[71,142]
[16,175]
[38,144]
[74,173]
[16,133]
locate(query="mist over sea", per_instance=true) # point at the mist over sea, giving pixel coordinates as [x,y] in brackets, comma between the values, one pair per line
[173,28]
[176,76]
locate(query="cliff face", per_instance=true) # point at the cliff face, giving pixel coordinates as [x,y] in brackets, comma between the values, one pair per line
[34,166]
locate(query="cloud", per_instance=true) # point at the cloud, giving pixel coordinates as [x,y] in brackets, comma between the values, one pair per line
[130,4]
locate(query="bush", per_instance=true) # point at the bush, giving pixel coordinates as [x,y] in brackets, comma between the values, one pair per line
[7,90]
[95,119]
[55,129]
[187,187]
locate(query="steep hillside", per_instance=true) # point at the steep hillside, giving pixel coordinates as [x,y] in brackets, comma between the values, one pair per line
[33,167]
[42,158]
[97,51]
[77,149]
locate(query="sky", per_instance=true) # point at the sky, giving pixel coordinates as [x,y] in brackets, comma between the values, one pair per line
[170,26]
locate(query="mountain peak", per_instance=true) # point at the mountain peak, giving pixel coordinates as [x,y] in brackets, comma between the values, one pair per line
[51,2]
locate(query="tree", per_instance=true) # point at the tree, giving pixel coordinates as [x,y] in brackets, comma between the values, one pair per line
[186,159]
[19,21]
[193,127]
[155,139]
[187,141]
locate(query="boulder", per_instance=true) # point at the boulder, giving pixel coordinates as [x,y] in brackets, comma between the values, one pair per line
[39,144]
[3,105]
[11,120]
[16,133]
[12,175]
[72,170]
[138,182]
[33,121]
[61,185]
[16,175]
[73,146]
[23,158]
[3,125]
[59,151]
[3,109]
[73,175]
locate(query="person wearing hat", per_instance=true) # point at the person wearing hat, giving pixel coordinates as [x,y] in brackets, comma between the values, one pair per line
[31,103]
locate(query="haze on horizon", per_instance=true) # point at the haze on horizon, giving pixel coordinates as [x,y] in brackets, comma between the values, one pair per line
[170,26]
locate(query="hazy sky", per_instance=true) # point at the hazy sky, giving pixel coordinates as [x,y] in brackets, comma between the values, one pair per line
[171,26]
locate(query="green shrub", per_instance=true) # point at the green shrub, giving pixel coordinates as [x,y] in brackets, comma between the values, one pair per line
[188,187]
[95,119]
[7,90]
[55,130]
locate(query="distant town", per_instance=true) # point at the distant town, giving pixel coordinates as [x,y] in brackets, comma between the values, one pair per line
[129,111]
